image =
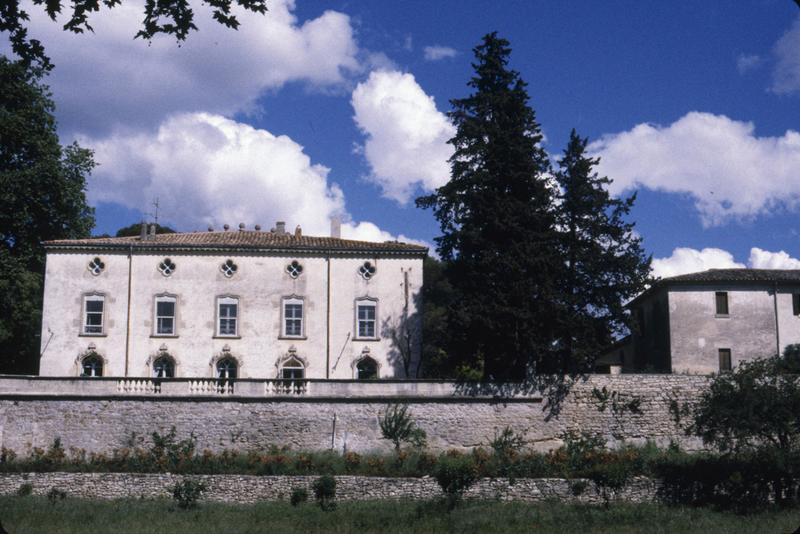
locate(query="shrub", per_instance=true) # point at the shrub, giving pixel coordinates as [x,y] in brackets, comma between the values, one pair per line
[168,453]
[398,427]
[455,475]
[25,489]
[507,444]
[55,495]
[187,492]
[299,496]
[325,492]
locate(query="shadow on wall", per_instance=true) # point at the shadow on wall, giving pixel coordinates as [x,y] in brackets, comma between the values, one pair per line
[405,333]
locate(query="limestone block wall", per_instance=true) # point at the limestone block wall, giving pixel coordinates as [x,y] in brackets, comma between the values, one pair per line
[344,419]
[250,489]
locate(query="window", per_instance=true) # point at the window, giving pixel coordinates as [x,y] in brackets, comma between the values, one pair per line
[293,369]
[165,316]
[93,308]
[92,366]
[367,369]
[292,317]
[228,268]
[294,269]
[228,314]
[365,318]
[96,266]
[166,267]
[724,360]
[796,303]
[164,367]
[722,302]
[227,369]
[367,270]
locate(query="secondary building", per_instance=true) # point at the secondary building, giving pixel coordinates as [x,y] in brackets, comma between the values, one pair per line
[709,321]
[231,304]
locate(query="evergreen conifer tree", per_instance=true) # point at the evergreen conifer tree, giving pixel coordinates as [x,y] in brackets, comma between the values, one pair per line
[605,265]
[499,239]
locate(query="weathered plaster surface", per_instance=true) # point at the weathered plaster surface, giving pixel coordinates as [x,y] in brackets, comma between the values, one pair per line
[260,283]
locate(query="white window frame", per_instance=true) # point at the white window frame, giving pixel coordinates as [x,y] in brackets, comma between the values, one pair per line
[293,301]
[227,300]
[371,303]
[299,365]
[172,362]
[99,359]
[165,298]
[235,366]
[93,297]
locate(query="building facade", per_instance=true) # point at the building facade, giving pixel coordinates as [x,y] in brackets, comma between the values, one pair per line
[231,304]
[708,322]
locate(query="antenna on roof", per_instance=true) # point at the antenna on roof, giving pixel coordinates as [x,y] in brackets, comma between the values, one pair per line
[155,215]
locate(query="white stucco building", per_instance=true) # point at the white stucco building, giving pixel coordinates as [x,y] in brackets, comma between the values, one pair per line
[708,322]
[238,304]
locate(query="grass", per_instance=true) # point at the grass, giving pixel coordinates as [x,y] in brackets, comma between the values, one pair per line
[37,515]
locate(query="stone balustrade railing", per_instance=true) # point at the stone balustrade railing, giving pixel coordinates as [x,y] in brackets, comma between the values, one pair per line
[251,388]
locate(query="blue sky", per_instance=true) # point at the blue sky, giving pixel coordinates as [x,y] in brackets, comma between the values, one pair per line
[337,108]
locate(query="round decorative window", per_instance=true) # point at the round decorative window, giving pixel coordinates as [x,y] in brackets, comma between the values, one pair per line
[96,266]
[367,270]
[167,267]
[229,268]
[294,269]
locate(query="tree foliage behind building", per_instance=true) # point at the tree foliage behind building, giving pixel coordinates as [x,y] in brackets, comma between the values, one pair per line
[42,197]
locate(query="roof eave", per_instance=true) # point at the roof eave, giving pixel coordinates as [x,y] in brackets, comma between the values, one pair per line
[153,247]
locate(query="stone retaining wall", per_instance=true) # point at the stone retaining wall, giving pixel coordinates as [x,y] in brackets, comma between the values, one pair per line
[250,489]
[350,421]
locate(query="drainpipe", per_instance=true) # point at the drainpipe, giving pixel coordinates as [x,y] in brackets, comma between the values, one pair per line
[777,328]
[128,317]
[328,322]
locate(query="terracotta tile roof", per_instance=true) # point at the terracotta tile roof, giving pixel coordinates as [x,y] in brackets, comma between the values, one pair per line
[250,240]
[737,276]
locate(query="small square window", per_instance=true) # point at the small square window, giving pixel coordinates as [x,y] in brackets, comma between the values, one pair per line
[725,360]
[722,302]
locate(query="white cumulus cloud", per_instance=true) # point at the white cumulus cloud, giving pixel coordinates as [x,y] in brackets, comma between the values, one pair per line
[764,259]
[406,136]
[786,76]
[436,52]
[688,260]
[206,169]
[106,79]
[729,171]
[684,260]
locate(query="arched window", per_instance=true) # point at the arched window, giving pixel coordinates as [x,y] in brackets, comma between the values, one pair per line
[92,365]
[293,369]
[226,368]
[367,369]
[164,367]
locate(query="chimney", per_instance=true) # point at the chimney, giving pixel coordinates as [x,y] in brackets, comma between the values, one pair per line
[280,227]
[298,232]
[152,231]
[336,227]
[143,233]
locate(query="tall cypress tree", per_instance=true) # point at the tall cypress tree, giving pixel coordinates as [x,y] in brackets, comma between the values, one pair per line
[498,228]
[605,265]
